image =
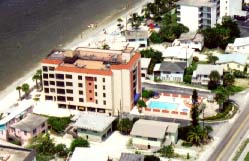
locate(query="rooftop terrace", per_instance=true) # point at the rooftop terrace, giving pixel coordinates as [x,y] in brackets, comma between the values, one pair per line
[91,58]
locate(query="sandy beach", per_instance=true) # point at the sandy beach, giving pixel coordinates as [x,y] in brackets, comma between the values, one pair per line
[9,96]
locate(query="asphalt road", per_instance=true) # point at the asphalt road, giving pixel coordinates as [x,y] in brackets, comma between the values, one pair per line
[172,89]
[239,128]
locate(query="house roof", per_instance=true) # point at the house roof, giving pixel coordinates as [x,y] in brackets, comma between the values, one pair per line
[196,3]
[178,52]
[173,66]
[194,36]
[30,122]
[235,57]
[153,129]
[241,41]
[136,34]
[94,121]
[157,67]
[145,62]
[206,69]
[131,157]
[15,113]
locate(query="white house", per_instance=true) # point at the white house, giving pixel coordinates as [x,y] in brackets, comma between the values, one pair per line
[191,40]
[93,126]
[240,45]
[178,54]
[231,62]
[198,14]
[169,71]
[145,62]
[201,74]
[139,37]
[147,134]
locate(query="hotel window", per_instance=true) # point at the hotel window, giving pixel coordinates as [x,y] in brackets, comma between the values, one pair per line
[89,84]
[90,91]
[80,85]
[25,133]
[104,102]
[81,100]
[91,98]
[103,87]
[69,91]
[51,75]
[96,101]
[96,94]
[51,68]
[96,86]
[68,76]
[95,79]
[45,75]
[80,92]
[103,79]
[69,98]
[52,83]
[79,77]
[45,83]
[44,68]
[152,139]
[52,90]
[104,95]
[43,125]
[69,84]
[59,76]
[46,90]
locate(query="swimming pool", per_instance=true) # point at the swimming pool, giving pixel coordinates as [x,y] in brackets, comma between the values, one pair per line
[163,105]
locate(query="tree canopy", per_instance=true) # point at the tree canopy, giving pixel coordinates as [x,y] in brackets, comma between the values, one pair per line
[221,35]
[78,142]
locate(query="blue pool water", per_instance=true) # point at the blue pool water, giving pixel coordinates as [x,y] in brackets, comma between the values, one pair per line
[163,105]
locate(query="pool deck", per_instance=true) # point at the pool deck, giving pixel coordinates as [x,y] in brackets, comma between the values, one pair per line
[183,101]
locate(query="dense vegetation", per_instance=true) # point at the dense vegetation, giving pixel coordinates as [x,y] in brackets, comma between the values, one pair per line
[58,124]
[221,35]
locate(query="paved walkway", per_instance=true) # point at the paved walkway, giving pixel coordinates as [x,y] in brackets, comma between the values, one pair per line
[244,153]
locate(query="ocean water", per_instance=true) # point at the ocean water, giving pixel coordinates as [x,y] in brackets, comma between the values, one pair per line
[29,29]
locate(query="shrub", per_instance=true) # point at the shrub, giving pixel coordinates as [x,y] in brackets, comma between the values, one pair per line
[196,59]
[155,38]
[141,103]
[125,125]
[61,150]
[187,79]
[147,94]
[167,151]
[186,144]
[79,142]
[58,124]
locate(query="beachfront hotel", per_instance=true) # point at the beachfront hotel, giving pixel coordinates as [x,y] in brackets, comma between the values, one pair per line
[96,80]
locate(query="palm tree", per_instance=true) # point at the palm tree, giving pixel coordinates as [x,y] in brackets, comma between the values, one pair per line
[195,136]
[106,47]
[214,76]
[228,80]
[35,78]
[221,96]
[18,88]
[195,115]
[135,20]
[212,59]
[25,88]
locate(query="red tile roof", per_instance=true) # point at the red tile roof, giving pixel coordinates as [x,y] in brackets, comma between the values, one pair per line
[51,61]
[84,70]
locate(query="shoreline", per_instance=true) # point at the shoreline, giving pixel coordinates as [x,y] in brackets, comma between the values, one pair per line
[9,95]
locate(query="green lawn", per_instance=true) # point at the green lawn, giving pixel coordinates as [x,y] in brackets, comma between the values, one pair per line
[247,157]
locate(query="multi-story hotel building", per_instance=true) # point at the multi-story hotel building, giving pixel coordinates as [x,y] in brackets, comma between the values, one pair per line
[107,81]
[198,14]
